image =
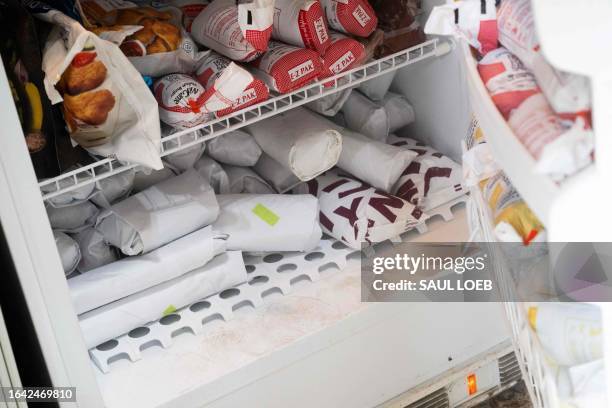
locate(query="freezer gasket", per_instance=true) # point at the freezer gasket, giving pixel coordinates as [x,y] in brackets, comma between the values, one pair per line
[268,274]
[186,139]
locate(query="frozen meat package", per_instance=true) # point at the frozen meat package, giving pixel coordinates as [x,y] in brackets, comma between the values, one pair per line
[214,174]
[355,213]
[95,252]
[107,106]
[331,104]
[185,158]
[431,179]
[243,180]
[301,23]
[342,54]
[366,117]
[73,218]
[238,29]
[300,140]
[399,111]
[279,177]
[114,319]
[269,223]
[236,148]
[355,17]
[376,88]
[68,250]
[160,214]
[131,275]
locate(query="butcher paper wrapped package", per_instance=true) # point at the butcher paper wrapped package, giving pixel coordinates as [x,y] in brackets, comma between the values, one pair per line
[285,68]
[366,117]
[160,214]
[269,223]
[243,180]
[279,177]
[300,140]
[114,319]
[113,188]
[95,252]
[236,148]
[108,108]
[376,163]
[240,30]
[431,180]
[211,69]
[301,23]
[356,213]
[331,104]
[214,174]
[185,158]
[151,38]
[568,94]
[474,20]
[131,275]
[343,54]
[513,219]
[73,218]
[68,251]
[144,180]
[354,17]
[399,111]
[376,88]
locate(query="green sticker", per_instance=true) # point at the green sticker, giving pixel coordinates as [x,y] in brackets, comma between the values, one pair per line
[169,310]
[267,215]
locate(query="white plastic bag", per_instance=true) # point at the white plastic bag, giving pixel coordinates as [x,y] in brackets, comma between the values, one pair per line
[68,251]
[214,174]
[107,106]
[236,148]
[131,275]
[238,30]
[269,223]
[107,322]
[94,251]
[279,177]
[400,112]
[354,17]
[243,180]
[160,214]
[366,117]
[300,140]
[478,161]
[301,23]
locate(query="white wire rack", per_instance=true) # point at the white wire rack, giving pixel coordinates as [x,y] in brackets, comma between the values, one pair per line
[188,138]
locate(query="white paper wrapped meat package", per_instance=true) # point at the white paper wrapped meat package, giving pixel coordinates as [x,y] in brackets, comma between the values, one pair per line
[284,68]
[331,104]
[269,223]
[114,319]
[114,188]
[400,112]
[214,174]
[366,117]
[95,252]
[307,150]
[431,179]
[68,250]
[239,30]
[278,176]
[131,275]
[236,148]
[160,214]
[73,218]
[376,89]
[243,180]
[354,17]
[185,158]
[355,213]
[301,23]
[144,180]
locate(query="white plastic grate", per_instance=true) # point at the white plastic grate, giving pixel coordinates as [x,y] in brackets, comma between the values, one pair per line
[268,274]
[178,141]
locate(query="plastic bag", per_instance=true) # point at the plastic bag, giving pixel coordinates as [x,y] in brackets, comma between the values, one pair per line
[239,30]
[107,106]
[478,161]
[301,23]
[354,17]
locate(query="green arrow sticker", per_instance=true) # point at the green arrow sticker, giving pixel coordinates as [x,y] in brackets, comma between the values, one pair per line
[267,215]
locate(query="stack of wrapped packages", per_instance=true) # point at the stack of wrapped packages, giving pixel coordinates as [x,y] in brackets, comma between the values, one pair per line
[548,110]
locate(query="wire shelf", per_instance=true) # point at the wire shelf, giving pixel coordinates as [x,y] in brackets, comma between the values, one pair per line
[185,139]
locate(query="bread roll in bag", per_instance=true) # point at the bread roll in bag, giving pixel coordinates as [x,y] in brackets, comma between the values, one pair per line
[120,116]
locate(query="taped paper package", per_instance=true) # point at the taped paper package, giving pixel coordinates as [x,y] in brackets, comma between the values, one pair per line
[68,251]
[236,148]
[114,319]
[214,174]
[376,88]
[108,108]
[366,117]
[184,159]
[73,218]
[331,104]
[431,179]
[95,252]
[144,180]
[72,197]
[113,188]
[243,180]
[399,111]
[473,20]
[237,29]
[301,23]
[307,150]
[354,17]
[160,214]
[356,213]
[269,223]
[131,275]
[279,177]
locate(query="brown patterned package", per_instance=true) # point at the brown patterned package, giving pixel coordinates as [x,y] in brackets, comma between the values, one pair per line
[397,18]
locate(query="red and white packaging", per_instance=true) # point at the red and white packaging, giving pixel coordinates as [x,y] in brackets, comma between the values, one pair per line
[509,83]
[285,67]
[190,10]
[211,69]
[568,94]
[356,213]
[474,20]
[181,101]
[238,30]
[301,23]
[354,17]
[343,54]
